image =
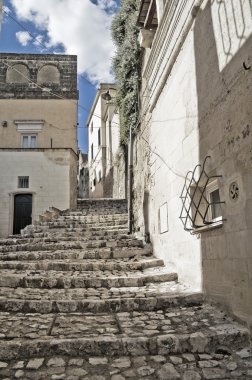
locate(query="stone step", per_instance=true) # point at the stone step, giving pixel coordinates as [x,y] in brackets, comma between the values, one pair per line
[187,366]
[95,253]
[80,265]
[94,217]
[78,223]
[198,329]
[154,296]
[94,231]
[128,240]
[83,279]
[56,245]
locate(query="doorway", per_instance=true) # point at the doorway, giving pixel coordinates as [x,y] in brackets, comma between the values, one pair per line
[22,212]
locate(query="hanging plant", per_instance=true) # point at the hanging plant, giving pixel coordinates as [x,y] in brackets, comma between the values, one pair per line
[127,65]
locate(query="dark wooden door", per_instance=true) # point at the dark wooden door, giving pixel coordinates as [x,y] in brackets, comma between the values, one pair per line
[22,212]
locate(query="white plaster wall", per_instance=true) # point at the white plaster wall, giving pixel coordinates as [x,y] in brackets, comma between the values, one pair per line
[49,182]
[174,137]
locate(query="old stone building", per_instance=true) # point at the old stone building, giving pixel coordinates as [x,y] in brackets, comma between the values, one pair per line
[38,139]
[196,103]
[83,175]
[106,157]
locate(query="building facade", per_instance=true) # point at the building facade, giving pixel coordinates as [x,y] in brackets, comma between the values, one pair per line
[83,176]
[193,148]
[104,154]
[38,137]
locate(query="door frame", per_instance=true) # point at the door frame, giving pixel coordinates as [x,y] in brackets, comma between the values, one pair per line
[12,206]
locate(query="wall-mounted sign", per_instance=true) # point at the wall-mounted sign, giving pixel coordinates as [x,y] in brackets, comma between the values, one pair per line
[163,218]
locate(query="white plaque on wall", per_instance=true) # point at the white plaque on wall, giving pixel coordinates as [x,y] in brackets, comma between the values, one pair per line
[163,218]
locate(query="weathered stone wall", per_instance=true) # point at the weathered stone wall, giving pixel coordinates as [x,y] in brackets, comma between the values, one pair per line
[198,104]
[50,174]
[38,76]
[225,133]
[120,173]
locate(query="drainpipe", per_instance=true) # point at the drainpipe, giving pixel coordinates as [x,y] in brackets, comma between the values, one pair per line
[130,182]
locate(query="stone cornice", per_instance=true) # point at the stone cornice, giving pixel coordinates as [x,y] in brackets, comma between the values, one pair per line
[176,22]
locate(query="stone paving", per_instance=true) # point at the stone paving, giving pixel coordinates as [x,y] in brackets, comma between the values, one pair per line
[82,299]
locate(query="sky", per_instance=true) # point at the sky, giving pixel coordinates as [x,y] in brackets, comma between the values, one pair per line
[80,27]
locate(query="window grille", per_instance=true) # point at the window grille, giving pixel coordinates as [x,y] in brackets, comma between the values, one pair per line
[23,182]
[201,204]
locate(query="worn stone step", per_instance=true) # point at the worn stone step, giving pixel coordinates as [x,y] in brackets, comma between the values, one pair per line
[38,243]
[56,245]
[84,226]
[83,279]
[80,265]
[90,218]
[95,253]
[199,329]
[187,366]
[77,232]
[146,298]
[64,238]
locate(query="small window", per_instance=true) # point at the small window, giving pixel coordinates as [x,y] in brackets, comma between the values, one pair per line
[92,127]
[213,197]
[23,182]
[29,141]
[99,176]
[99,136]
[92,151]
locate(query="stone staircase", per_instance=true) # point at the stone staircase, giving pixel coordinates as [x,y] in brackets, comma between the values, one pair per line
[80,298]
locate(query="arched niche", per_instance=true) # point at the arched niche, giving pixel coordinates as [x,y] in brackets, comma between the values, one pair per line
[18,73]
[48,74]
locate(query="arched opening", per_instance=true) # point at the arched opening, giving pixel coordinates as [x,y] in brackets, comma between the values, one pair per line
[48,74]
[18,73]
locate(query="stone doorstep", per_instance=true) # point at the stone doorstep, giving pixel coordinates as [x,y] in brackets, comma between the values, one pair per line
[13,280]
[79,265]
[114,304]
[115,346]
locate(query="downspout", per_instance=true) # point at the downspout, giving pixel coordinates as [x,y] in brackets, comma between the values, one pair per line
[130,182]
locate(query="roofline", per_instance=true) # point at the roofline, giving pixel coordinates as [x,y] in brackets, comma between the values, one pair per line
[103,87]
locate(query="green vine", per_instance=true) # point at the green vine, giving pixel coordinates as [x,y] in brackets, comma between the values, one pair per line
[127,64]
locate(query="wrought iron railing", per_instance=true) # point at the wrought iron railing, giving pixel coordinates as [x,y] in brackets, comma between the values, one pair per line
[195,203]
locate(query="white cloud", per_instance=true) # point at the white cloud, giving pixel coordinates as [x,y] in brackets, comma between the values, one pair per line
[23,38]
[6,9]
[82,27]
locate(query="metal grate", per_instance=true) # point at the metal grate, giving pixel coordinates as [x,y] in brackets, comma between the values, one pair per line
[23,182]
[195,203]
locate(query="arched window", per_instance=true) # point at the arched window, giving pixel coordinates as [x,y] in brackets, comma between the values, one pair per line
[48,74]
[18,73]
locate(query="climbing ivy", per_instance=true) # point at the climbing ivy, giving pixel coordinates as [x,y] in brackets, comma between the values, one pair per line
[127,64]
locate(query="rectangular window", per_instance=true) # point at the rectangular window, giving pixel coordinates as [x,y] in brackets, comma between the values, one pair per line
[213,197]
[29,141]
[99,176]
[92,151]
[23,182]
[92,127]
[99,136]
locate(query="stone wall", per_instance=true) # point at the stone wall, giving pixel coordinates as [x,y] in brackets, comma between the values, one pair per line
[38,76]
[120,180]
[195,102]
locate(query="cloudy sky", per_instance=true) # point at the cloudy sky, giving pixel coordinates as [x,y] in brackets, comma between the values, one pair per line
[79,27]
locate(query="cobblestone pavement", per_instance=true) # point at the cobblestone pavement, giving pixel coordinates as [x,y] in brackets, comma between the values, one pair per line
[82,299]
